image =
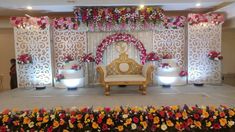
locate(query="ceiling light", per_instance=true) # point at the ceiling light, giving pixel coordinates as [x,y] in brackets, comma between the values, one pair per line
[141,6]
[198,4]
[29,7]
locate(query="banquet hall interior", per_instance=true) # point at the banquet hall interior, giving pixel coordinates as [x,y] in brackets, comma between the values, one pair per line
[115,58]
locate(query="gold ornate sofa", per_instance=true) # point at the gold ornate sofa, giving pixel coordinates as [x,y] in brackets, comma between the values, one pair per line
[125,71]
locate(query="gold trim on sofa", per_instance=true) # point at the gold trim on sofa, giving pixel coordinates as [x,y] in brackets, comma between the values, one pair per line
[134,69]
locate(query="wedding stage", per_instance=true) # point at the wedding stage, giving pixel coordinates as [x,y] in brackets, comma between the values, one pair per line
[29,98]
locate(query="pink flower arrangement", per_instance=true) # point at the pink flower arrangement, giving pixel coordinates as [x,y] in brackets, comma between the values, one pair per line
[212,18]
[214,55]
[175,22]
[167,56]
[183,73]
[129,39]
[68,58]
[23,22]
[59,77]
[165,65]
[88,58]
[152,56]
[76,67]
[24,59]
[65,23]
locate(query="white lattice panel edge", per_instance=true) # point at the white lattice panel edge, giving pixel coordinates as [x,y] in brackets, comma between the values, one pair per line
[201,40]
[35,42]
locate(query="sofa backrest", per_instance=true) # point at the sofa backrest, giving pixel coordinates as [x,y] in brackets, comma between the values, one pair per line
[124,66]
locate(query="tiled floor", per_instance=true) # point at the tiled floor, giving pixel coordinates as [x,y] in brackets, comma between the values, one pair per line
[26,98]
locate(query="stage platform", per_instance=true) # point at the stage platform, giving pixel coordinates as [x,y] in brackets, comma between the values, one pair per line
[28,98]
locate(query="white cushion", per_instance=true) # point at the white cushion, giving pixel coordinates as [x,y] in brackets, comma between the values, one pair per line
[125,78]
[124,67]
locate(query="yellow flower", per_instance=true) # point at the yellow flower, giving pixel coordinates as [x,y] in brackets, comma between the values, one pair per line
[95,125]
[38,124]
[120,128]
[152,110]
[208,124]
[231,113]
[174,107]
[141,118]
[144,124]
[198,124]
[230,123]
[124,116]
[184,114]
[156,120]
[128,121]
[223,121]
[5,118]
[205,114]
[109,121]
[80,126]
[55,124]
[178,126]
[64,130]
[26,120]
[45,119]
[169,123]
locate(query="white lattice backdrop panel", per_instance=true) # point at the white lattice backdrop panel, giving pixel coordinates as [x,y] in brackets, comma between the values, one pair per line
[201,40]
[37,44]
[68,42]
[171,41]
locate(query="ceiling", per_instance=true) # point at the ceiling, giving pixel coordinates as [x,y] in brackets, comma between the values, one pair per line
[18,7]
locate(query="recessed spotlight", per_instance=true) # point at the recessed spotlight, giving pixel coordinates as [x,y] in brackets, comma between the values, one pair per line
[29,7]
[198,4]
[141,6]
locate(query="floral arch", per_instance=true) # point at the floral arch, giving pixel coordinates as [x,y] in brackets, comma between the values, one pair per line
[120,37]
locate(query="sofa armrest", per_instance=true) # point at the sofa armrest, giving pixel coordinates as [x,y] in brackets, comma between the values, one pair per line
[102,73]
[147,72]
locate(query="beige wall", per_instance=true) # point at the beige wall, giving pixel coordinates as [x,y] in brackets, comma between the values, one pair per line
[228,51]
[7,51]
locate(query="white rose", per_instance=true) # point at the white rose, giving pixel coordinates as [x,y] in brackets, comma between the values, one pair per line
[230,123]
[133,126]
[52,117]
[125,116]
[163,126]
[31,124]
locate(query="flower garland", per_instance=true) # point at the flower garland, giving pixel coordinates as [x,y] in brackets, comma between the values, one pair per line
[65,23]
[152,56]
[24,59]
[119,15]
[88,58]
[175,22]
[120,37]
[214,55]
[212,18]
[35,22]
[151,118]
